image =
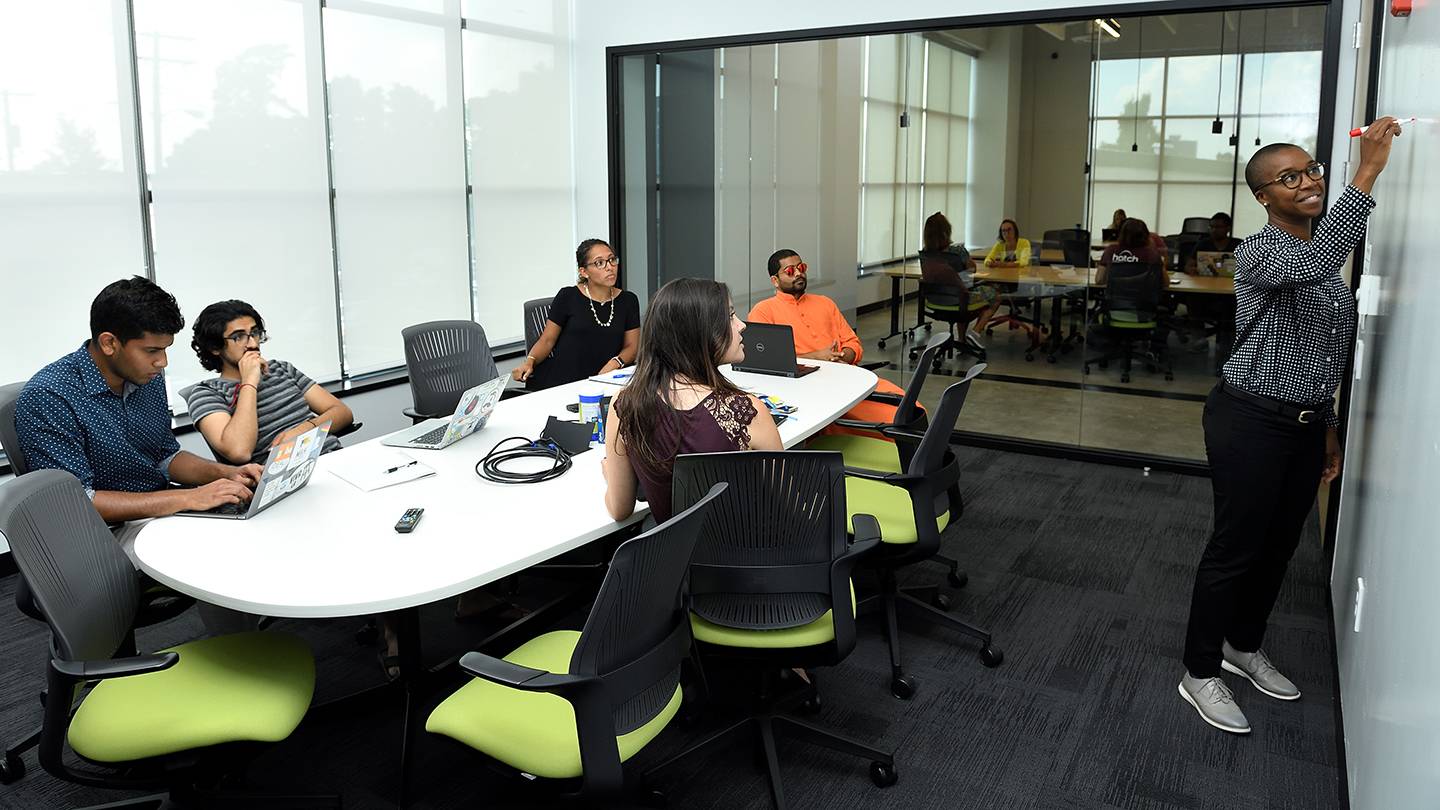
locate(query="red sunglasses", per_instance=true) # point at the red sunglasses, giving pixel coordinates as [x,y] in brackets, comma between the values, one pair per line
[796,269]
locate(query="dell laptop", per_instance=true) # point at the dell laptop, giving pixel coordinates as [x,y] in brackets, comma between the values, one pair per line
[287,469]
[770,349]
[471,413]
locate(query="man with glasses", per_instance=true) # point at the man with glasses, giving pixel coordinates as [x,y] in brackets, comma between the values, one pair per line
[821,331]
[101,414]
[255,403]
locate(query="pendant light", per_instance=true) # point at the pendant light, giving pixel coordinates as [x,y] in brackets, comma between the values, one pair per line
[1139,52]
[1264,57]
[1217,126]
[1239,54]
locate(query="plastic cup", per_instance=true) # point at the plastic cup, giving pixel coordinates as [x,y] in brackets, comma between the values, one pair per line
[590,412]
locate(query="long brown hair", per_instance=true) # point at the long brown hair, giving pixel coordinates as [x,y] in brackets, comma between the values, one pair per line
[685,336]
[936,235]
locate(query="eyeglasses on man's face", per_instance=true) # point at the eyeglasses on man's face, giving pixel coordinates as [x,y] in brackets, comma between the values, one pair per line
[610,261]
[240,338]
[796,269]
[1291,179]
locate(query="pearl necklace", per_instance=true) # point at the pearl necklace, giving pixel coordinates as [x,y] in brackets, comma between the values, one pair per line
[594,313]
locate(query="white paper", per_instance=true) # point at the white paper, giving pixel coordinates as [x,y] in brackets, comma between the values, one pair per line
[370,468]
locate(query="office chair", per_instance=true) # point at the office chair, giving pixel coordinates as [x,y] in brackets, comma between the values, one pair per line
[185,395]
[770,589]
[1129,314]
[444,360]
[950,304]
[536,314]
[913,508]
[1196,225]
[575,706]
[178,719]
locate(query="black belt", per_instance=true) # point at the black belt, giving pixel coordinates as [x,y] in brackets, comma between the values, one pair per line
[1304,414]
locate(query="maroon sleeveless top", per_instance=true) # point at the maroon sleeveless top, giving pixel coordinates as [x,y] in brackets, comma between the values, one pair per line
[716,425]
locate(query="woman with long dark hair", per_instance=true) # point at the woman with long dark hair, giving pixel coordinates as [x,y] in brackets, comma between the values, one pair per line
[592,328]
[678,401]
[942,261]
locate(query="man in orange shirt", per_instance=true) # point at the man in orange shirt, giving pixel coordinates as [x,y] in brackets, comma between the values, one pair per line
[821,332]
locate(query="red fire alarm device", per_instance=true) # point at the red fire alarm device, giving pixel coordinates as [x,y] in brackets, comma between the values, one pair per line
[1400,8]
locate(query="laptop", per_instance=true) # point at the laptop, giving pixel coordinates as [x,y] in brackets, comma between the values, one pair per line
[287,469]
[1109,234]
[1215,263]
[770,349]
[471,413]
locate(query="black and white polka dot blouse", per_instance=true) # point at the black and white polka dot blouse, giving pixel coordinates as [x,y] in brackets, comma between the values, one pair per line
[1296,351]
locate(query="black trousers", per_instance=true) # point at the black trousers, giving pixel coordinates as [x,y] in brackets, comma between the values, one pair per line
[1265,470]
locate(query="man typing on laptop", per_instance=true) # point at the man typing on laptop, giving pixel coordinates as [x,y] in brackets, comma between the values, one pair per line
[821,331]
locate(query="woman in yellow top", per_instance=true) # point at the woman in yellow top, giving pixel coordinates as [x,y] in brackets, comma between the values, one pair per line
[1010,250]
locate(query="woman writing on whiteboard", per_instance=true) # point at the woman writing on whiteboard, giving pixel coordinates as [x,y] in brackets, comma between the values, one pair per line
[1270,423]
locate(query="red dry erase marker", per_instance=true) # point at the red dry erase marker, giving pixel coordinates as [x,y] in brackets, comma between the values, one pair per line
[1358,131]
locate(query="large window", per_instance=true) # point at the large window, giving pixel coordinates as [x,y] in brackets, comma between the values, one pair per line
[349,168]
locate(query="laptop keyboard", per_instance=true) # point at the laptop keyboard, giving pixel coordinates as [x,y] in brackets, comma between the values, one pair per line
[229,509]
[431,437]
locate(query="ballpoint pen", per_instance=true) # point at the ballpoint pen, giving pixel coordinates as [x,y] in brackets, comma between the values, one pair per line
[402,466]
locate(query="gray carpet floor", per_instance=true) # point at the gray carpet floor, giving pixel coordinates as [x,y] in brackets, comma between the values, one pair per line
[1081,571]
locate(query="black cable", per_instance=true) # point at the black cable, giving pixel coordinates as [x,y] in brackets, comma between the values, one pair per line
[489,467]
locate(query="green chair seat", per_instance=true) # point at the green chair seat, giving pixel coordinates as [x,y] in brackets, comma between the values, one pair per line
[533,732]
[865,452]
[242,687]
[890,505]
[820,631]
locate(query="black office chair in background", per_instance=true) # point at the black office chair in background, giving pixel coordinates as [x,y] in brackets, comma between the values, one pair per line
[1130,315]
[444,359]
[949,304]
[1196,225]
[536,313]
[770,590]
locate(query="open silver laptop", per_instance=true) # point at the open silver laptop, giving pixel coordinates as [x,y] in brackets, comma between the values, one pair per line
[1215,263]
[287,469]
[471,413]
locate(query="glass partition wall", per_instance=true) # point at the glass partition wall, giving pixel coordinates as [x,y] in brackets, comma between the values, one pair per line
[840,149]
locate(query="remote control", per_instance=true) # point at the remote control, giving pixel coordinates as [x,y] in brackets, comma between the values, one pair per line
[408,520]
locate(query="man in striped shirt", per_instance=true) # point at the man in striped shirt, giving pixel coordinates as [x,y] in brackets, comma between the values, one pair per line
[255,403]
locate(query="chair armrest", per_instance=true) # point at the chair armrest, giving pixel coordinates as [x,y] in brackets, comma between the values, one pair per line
[861,425]
[869,475]
[885,397]
[115,667]
[867,534]
[497,670]
[347,430]
[892,432]
[416,415]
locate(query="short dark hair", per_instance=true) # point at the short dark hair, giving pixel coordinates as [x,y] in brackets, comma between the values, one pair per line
[773,264]
[1223,217]
[130,307]
[208,335]
[582,253]
[1253,177]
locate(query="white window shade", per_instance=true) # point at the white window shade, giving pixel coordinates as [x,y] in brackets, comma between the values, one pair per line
[517,110]
[398,153]
[234,130]
[69,184]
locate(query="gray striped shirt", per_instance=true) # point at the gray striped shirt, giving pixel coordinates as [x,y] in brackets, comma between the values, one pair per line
[280,404]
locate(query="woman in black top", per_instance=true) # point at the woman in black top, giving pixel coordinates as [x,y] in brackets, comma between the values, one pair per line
[593,328]
[1270,424]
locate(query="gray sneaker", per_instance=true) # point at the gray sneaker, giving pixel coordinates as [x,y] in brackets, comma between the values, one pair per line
[1256,668]
[1215,703]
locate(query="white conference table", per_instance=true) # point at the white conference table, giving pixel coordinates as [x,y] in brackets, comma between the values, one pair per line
[330,550]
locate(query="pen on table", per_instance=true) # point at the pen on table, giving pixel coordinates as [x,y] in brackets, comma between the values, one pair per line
[412,463]
[1358,131]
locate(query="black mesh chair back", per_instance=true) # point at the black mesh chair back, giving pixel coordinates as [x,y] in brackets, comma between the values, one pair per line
[1077,249]
[1200,225]
[638,632]
[1132,291]
[445,359]
[9,439]
[537,312]
[764,558]
[82,582]
[908,411]
[932,453]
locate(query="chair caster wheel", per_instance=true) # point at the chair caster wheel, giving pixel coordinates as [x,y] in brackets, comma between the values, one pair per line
[12,767]
[957,579]
[881,344]
[941,602]
[903,687]
[883,775]
[991,657]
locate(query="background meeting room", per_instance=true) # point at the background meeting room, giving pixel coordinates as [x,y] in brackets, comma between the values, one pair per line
[353,168]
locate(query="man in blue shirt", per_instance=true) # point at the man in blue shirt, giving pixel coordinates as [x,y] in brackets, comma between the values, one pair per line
[101,414]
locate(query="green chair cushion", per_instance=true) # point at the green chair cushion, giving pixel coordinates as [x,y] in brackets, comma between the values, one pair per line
[819,631]
[866,452]
[533,732]
[241,687]
[891,507]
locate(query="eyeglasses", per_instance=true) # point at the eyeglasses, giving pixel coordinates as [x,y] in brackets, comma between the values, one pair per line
[1291,179]
[240,338]
[796,269]
[613,261]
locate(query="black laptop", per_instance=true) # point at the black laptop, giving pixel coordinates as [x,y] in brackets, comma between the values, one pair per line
[770,349]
